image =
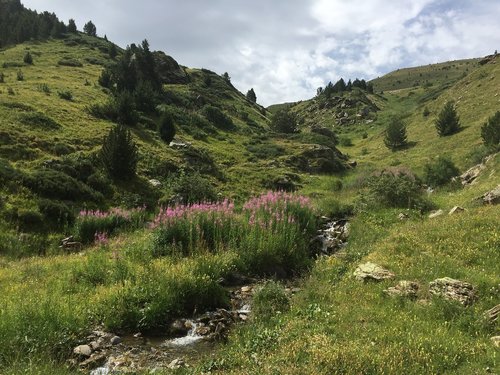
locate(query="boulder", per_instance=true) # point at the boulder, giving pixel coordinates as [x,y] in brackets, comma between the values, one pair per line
[372,272]
[404,288]
[83,350]
[470,175]
[115,340]
[169,70]
[402,216]
[456,210]
[176,364]
[453,290]
[435,214]
[318,159]
[179,328]
[155,183]
[492,314]
[492,197]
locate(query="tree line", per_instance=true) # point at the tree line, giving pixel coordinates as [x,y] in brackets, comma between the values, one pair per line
[341,86]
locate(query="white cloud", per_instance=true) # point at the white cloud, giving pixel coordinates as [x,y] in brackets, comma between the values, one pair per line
[285,49]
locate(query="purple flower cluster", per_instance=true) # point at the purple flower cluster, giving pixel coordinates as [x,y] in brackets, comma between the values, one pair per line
[168,214]
[101,239]
[274,198]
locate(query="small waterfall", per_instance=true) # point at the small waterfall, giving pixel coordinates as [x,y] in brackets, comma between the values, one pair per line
[191,337]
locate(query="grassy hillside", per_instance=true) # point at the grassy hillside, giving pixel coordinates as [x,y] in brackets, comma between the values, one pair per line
[432,75]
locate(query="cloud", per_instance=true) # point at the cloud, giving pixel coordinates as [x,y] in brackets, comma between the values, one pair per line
[285,49]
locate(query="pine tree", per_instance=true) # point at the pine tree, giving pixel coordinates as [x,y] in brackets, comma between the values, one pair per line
[113,52]
[90,29]
[251,96]
[490,132]
[28,59]
[167,128]
[72,26]
[448,121]
[119,154]
[395,134]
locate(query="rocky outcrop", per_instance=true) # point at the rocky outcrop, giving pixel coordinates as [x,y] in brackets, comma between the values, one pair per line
[169,70]
[492,314]
[319,159]
[408,289]
[453,290]
[456,210]
[372,272]
[435,214]
[492,197]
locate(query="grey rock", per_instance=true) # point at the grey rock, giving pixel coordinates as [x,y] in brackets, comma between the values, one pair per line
[155,183]
[83,350]
[468,177]
[454,290]
[492,197]
[371,271]
[456,210]
[94,361]
[404,288]
[493,313]
[435,214]
[178,327]
[116,340]
[402,216]
[176,364]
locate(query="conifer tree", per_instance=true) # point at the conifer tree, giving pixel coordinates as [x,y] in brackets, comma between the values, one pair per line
[90,29]
[251,96]
[490,132]
[448,121]
[167,128]
[119,154]
[395,134]
[28,59]
[72,26]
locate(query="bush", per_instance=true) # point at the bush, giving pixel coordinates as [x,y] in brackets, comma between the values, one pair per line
[395,134]
[56,212]
[2,77]
[218,118]
[448,121]
[396,189]
[43,87]
[426,112]
[119,154]
[345,141]
[29,220]
[269,300]
[194,188]
[167,128]
[39,120]
[57,185]
[284,121]
[28,59]
[440,172]
[66,95]
[20,75]
[490,132]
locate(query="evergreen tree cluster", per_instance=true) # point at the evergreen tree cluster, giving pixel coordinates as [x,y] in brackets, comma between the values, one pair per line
[18,24]
[448,122]
[341,86]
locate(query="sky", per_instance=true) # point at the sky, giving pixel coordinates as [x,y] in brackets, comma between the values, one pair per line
[286,49]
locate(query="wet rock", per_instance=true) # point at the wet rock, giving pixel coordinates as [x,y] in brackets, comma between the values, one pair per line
[372,272]
[404,288]
[95,360]
[454,290]
[496,341]
[116,340]
[456,210]
[435,214]
[492,197]
[178,328]
[83,350]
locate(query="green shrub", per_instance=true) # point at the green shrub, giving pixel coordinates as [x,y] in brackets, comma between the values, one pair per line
[266,150]
[269,300]
[193,188]
[448,122]
[2,77]
[284,121]
[396,188]
[39,120]
[57,185]
[440,172]
[56,212]
[345,141]
[490,132]
[28,59]
[29,220]
[43,87]
[8,174]
[20,75]
[218,118]
[426,112]
[66,95]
